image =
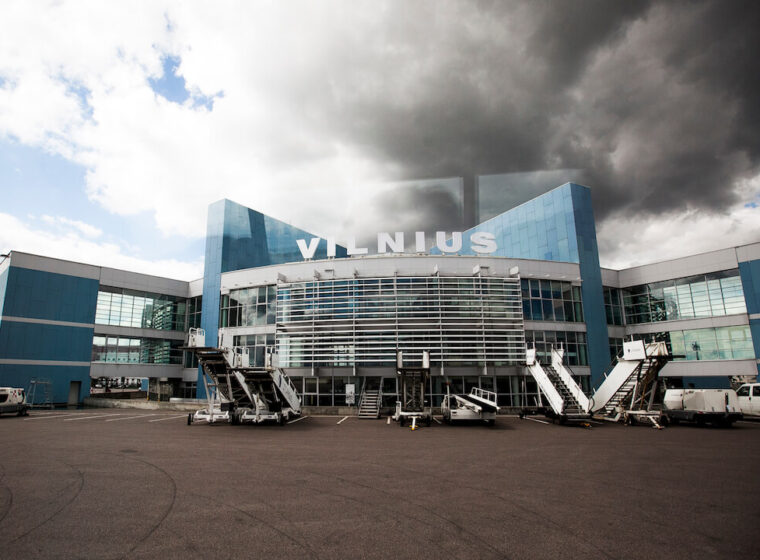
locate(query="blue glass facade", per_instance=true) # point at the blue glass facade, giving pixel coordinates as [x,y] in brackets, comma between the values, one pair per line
[750,275]
[237,238]
[541,229]
[558,226]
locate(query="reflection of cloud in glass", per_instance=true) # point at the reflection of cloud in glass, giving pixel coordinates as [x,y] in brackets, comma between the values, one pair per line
[501,192]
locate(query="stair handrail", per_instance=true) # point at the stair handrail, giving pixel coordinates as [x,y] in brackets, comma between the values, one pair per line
[567,378]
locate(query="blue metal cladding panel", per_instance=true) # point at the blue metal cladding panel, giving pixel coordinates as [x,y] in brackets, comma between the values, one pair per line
[17,375]
[35,341]
[541,229]
[750,275]
[238,238]
[591,288]
[36,294]
[3,284]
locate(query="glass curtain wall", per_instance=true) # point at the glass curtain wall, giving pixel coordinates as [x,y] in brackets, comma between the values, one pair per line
[363,322]
[551,300]
[574,343]
[512,391]
[128,350]
[710,295]
[718,343]
[129,308]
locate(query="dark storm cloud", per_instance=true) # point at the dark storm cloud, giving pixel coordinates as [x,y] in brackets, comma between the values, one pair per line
[655,102]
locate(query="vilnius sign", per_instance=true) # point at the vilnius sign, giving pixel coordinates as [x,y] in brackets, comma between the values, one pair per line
[480,242]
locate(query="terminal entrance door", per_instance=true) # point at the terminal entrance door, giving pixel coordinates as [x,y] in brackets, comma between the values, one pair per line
[373,383]
[74,388]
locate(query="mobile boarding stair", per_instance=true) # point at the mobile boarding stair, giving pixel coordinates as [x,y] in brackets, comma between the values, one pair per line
[238,392]
[567,401]
[626,394]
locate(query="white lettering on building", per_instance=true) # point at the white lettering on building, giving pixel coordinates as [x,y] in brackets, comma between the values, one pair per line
[481,242]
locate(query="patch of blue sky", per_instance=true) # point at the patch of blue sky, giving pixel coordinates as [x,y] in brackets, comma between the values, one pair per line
[173,87]
[82,93]
[36,183]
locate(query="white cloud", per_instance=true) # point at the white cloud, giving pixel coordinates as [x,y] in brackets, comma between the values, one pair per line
[65,223]
[73,241]
[630,241]
[144,153]
[75,83]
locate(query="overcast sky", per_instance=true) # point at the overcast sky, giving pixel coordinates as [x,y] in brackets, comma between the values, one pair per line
[121,122]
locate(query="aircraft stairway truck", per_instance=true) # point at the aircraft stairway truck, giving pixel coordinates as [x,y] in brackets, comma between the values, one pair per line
[627,393]
[238,392]
[413,407]
[567,402]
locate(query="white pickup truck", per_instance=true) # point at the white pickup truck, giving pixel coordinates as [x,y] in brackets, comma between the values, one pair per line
[719,407]
[749,399]
[13,400]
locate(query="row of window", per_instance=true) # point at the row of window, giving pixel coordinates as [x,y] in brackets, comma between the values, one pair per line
[331,391]
[129,308]
[707,295]
[248,307]
[718,343]
[551,300]
[127,350]
[573,343]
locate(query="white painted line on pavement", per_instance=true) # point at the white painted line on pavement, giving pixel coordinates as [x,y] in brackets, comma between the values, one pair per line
[129,417]
[169,418]
[535,420]
[298,419]
[90,417]
[52,416]
[344,418]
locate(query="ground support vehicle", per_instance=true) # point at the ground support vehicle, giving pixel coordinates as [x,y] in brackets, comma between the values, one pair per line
[566,401]
[630,390]
[478,405]
[719,407]
[749,399]
[238,392]
[413,408]
[13,400]
[627,393]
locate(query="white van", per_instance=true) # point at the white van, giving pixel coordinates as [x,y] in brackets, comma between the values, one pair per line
[13,400]
[749,399]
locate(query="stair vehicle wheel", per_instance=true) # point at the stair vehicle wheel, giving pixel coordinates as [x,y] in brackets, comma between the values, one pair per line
[281,420]
[428,421]
[189,418]
[401,421]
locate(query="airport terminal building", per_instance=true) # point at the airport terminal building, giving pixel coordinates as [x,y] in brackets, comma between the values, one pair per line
[331,316]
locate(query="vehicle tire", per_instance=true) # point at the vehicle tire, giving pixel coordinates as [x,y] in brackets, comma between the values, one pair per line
[281,420]
[401,421]
[428,421]
[189,418]
[491,423]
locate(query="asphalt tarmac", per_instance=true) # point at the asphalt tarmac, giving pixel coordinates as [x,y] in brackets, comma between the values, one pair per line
[140,484]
